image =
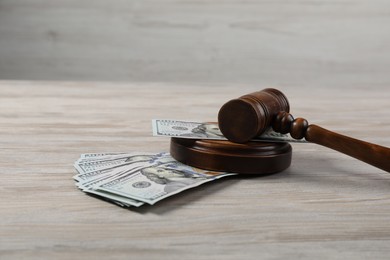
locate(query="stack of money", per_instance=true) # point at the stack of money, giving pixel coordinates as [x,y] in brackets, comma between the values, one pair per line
[132,179]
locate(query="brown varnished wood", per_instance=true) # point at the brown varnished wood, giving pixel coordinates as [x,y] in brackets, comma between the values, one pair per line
[283,122]
[373,154]
[250,115]
[249,158]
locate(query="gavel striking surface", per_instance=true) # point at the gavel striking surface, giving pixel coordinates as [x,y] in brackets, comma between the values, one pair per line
[249,158]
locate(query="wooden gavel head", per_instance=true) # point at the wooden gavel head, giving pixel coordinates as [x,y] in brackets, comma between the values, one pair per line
[242,119]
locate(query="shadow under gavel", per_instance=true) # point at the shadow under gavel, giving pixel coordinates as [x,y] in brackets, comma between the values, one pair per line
[242,119]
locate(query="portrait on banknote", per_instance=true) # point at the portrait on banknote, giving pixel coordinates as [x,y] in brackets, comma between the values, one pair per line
[172,179]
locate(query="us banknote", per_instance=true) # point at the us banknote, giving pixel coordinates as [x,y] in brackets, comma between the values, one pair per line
[96,163]
[196,130]
[155,182]
[96,168]
[132,179]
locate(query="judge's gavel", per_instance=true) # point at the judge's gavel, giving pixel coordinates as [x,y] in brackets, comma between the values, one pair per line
[242,119]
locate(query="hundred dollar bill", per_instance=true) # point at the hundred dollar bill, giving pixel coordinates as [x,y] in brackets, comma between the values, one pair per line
[91,156]
[157,181]
[134,160]
[97,168]
[165,175]
[85,180]
[123,201]
[111,162]
[196,130]
[95,165]
[120,200]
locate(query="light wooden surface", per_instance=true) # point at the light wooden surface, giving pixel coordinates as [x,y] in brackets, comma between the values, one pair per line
[326,205]
[280,42]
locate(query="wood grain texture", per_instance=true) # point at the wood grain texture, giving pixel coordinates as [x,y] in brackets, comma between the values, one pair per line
[315,43]
[326,205]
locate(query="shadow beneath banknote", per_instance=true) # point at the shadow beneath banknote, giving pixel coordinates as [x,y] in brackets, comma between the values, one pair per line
[191,196]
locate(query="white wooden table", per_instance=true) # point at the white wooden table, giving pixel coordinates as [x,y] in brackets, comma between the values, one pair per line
[326,205]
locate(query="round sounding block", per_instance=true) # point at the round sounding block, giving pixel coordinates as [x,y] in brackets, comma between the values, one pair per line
[248,158]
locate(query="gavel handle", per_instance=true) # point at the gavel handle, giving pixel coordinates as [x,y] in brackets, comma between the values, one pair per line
[376,155]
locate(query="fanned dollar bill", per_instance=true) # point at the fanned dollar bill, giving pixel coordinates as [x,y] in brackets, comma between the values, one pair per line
[132,179]
[196,130]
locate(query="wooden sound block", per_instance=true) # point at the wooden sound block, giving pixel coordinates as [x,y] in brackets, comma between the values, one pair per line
[248,158]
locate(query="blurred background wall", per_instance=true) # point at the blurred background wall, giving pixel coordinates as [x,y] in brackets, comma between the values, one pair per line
[267,42]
